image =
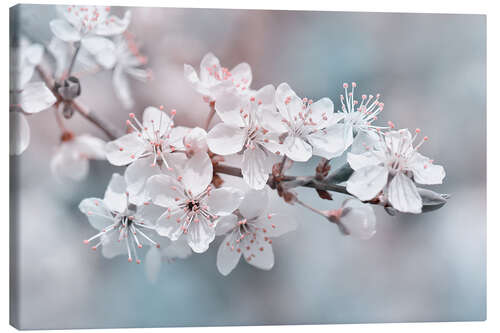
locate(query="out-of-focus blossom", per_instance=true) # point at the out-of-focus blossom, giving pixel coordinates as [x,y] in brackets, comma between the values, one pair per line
[247,128]
[355,219]
[26,58]
[88,25]
[168,251]
[214,78]
[36,97]
[126,60]
[122,230]
[190,205]
[71,159]
[393,170]
[249,232]
[306,127]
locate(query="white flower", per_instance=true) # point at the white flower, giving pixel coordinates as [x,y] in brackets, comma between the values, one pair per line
[247,128]
[393,169]
[122,230]
[63,52]
[71,160]
[358,117]
[87,24]
[214,78]
[19,133]
[26,58]
[190,205]
[249,232]
[125,58]
[306,126]
[355,219]
[151,147]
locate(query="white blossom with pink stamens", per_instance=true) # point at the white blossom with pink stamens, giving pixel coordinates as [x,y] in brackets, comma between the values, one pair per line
[214,78]
[88,25]
[391,171]
[306,128]
[248,129]
[190,205]
[249,232]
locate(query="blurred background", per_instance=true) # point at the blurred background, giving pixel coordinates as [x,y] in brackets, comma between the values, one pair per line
[431,73]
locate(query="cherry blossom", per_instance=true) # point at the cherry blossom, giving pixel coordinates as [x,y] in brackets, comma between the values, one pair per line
[355,219]
[249,232]
[150,147]
[26,58]
[124,57]
[123,230]
[190,205]
[214,78]
[88,25]
[394,170]
[71,159]
[306,127]
[246,129]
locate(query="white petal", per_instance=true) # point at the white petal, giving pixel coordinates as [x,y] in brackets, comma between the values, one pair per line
[149,213]
[242,74]
[125,149]
[121,87]
[256,166]
[111,247]
[137,173]
[113,25]
[297,149]
[227,255]
[34,53]
[156,122]
[115,196]
[224,200]
[228,105]
[364,141]
[424,171]
[195,140]
[399,141]
[225,224]
[19,135]
[106,58]
[359,219]
[199,236]
[271,120]
[403,195]
[265,96]
[225,139]
[293,107]
[209,61]
[64,31]
[367,182]
[167,224]
[163,190]
[178,249]
[322,113]
[153,264]
[275,225]
[96,44]
[36,97]
[97,212]
[91,147]
[359,161]
[259,253]
[254,204]
[197,173]
[329,143]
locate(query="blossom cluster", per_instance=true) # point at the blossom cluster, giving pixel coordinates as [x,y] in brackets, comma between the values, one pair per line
[170,197]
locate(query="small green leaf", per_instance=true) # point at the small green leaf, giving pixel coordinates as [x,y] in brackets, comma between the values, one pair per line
[340,175]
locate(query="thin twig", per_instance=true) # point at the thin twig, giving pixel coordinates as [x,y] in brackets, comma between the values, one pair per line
[210,116]
[73,59]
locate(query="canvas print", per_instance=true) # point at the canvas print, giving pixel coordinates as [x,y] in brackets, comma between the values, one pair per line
[213,167]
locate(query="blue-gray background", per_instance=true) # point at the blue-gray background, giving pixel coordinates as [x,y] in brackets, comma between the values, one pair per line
[431,72]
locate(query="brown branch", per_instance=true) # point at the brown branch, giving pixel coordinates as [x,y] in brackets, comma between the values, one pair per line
[108,129]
